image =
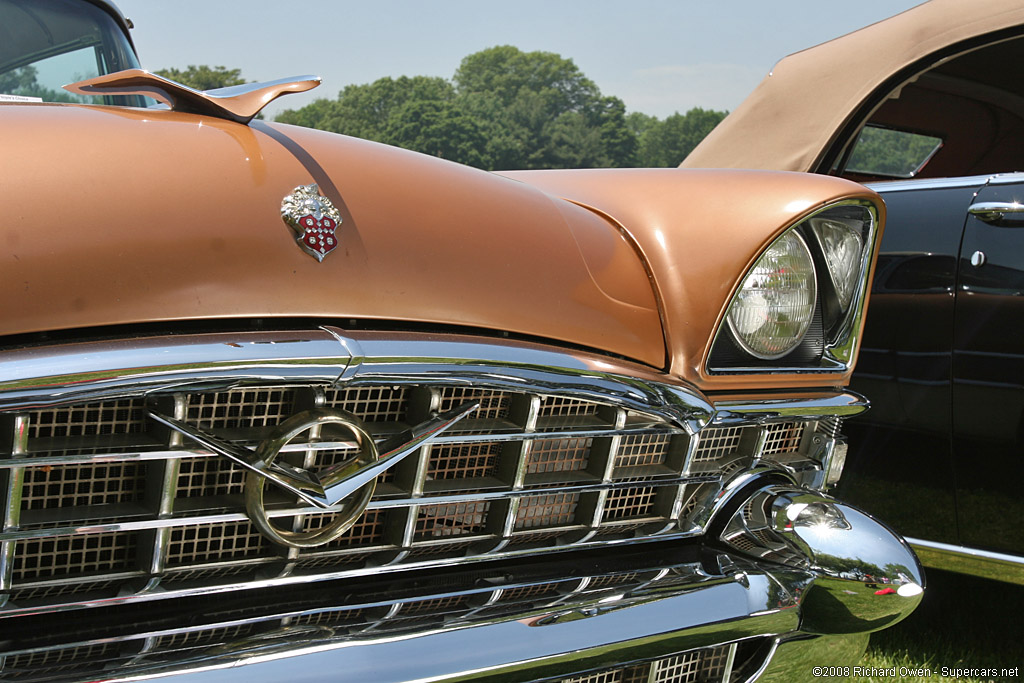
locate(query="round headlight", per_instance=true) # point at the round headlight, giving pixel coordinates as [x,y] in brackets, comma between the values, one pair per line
[775,304]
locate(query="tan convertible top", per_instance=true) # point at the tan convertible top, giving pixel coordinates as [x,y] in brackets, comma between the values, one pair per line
[793,116]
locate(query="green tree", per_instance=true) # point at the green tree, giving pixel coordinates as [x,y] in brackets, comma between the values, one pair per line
[438,128]
[366,111]
[204,77]
[666,143]
[542,111]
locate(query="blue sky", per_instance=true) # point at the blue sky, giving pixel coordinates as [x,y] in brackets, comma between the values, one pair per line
[659,56]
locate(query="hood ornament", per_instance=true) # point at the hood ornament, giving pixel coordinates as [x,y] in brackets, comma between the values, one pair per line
[313,218]
[344,488]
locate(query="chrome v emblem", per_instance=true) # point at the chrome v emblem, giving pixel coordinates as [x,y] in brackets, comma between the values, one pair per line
[334,484]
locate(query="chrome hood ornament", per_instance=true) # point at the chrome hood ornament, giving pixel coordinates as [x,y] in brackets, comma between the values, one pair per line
[345,488]
[313,218]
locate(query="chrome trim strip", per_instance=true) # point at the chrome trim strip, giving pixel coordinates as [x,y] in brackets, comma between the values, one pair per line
[183,454]
[38,376]
[886,186]
[973,561]
[761,410]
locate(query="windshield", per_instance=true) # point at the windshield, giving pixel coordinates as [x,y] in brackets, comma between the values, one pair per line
[46,44]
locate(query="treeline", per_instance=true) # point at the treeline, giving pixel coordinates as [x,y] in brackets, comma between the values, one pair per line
[508,109]
[502,109]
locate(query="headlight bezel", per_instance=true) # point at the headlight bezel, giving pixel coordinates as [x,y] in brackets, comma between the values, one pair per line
[830,342]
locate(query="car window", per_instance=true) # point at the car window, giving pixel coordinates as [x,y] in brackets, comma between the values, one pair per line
[47,44]
[892,153]
[962,117]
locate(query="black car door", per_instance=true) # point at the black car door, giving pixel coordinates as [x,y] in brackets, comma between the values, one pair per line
[988,369]
[900,465]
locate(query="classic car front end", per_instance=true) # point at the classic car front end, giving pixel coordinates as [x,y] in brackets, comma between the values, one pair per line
[276,403]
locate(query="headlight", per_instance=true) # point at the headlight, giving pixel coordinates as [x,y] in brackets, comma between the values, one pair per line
[842,243]
[775,304]
[800,307]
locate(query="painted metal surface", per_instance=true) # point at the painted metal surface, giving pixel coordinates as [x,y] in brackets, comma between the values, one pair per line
[144,231]
[700,231]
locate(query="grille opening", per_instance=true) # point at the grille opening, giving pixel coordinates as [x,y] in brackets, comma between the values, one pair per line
[242,409]
[218,542]
[545,511]
[54,664]
[787,442]
[557,413]
[719,447]
[74,556]
[371,404]
[452,520]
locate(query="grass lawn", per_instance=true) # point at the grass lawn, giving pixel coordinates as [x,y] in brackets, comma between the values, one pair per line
[962,622]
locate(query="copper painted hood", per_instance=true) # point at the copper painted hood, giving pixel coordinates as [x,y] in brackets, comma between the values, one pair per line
[120,216]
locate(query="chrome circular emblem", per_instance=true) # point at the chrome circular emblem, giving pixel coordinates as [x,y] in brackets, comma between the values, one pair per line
[313,218]
[283,530]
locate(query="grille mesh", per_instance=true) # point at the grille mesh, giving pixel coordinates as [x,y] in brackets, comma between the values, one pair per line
[241,408]
[56,486]
[559,455]
[463,461]
[372,404]
[783,438]
[556,509]
[95,419]
[73,555]
[214,542]
[458,519]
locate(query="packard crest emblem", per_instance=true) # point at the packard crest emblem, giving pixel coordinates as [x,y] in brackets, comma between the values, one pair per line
[313,218]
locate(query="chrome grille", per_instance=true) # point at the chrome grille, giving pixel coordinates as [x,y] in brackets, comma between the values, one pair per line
[100,501]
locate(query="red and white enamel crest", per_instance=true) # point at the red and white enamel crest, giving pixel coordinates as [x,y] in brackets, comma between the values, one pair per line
[313,218]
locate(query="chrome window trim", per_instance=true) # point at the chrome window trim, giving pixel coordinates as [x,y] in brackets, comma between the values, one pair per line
[886,186]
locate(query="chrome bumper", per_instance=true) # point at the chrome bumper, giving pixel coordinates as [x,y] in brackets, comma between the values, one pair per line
[575,613]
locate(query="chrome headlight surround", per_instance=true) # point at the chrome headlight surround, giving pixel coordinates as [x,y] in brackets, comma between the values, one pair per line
[841,239]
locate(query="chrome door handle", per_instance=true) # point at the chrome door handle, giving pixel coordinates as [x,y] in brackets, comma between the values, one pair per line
[991,212]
